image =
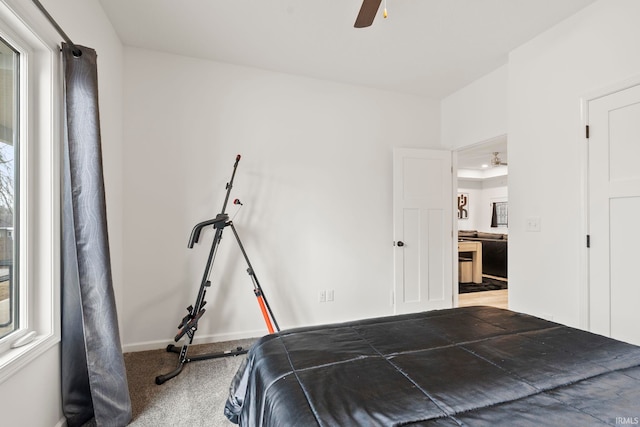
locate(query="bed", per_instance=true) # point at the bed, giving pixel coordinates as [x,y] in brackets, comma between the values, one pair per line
[476,366]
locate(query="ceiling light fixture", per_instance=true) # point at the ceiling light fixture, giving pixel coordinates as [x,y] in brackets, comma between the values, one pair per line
[496,161]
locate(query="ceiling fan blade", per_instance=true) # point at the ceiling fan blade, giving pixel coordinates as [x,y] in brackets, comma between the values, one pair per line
[367,13]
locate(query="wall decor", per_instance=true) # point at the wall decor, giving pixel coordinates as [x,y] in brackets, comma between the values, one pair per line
[463,205]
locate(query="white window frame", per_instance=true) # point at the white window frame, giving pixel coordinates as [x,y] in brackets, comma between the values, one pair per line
[40,111]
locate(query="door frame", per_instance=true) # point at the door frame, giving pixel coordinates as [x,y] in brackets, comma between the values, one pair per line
[454,228]
[454,163]
[584,267]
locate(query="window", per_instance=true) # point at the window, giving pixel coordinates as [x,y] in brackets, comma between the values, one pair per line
[502,214]
[30,113]
[9,289]
[499,214]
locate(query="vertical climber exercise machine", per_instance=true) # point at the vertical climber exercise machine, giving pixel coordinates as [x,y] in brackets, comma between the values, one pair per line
[189,324]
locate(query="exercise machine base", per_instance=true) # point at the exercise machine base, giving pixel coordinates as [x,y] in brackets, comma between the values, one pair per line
[161,379]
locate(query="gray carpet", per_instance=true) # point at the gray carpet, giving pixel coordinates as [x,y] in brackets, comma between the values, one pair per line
[196,397]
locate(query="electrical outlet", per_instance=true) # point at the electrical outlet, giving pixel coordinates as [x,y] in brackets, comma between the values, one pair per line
[532,223]
[330,295]
[322,296]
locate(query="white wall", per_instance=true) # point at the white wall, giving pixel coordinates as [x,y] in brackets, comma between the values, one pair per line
[482,194]
[477,112]
[547,78]
[32,395]
[315,179]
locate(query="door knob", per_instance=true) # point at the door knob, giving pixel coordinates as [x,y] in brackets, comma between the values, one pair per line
[400,243]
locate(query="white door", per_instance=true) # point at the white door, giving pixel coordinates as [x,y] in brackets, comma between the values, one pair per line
[422,227]
[614,213]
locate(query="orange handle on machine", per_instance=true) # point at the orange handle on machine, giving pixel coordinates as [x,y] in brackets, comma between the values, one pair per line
[263,308]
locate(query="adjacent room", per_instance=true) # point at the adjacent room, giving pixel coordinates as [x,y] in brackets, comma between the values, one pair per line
[400,190]
[483,224]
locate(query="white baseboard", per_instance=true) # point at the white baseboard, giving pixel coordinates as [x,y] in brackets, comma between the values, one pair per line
[202,339]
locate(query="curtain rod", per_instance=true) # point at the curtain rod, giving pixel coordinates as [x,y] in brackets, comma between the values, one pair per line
[76,52]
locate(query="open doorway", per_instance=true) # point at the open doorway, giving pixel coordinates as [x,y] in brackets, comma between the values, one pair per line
[483,223]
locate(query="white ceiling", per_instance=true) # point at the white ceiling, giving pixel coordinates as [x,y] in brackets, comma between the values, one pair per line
[425,47]
[474,163]
[474,157]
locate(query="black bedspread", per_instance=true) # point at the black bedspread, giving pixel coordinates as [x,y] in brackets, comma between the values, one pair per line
[476,366]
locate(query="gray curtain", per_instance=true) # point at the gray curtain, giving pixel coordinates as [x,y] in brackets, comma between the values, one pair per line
[94,381]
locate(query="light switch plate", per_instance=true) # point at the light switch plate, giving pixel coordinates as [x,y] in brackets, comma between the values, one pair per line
[532,223]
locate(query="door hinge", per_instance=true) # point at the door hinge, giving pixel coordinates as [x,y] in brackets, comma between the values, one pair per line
[587,131]
[588,240]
